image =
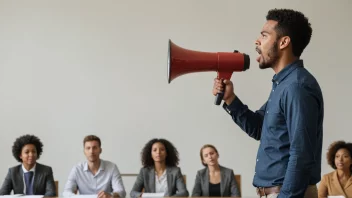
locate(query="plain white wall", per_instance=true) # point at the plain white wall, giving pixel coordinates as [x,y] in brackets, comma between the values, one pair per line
[72,68]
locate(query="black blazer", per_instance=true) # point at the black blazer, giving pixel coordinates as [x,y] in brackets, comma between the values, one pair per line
[43,183]
[228,184]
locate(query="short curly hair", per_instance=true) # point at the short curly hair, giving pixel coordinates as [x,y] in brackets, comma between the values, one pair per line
[172,157]
[332,150]
[21,141]
[293,24]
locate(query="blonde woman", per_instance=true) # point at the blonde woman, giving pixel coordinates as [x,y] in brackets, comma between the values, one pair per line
[214,180]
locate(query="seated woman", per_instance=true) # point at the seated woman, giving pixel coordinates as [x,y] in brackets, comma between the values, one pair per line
[338,182]
[214,180]
[30,177]
[160,173]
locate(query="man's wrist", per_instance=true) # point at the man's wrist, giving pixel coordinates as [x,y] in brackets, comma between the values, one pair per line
[230,99]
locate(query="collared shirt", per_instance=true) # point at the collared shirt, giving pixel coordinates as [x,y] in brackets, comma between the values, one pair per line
[107,179]
[161,183]
[25,171]
[290,129]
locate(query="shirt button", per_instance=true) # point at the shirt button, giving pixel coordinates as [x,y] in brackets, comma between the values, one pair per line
[267,111]
[273,90]
[257,159]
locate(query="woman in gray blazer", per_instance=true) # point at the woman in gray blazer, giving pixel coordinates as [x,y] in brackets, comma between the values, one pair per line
[30,177]
[160,173]
[214,180]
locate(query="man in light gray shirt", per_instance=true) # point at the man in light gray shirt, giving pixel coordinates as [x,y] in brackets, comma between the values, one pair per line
[94,176]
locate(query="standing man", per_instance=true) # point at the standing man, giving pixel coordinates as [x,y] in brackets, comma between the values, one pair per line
[95,176]
[290,123]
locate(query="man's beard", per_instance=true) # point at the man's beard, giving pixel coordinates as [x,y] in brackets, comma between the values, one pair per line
[273,56]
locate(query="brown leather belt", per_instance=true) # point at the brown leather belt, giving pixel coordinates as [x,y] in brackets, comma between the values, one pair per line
[263,191]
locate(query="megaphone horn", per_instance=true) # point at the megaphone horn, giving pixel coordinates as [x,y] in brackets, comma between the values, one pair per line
[181,61]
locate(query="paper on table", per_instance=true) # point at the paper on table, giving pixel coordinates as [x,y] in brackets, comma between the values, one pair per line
[153,195]
[32,196]
[84,196]
[338,196]
[21,195]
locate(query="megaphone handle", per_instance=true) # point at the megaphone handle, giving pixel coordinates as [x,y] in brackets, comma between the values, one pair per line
[219,96]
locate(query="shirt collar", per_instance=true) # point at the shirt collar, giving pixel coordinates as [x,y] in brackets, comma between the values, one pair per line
[32,169]
[279,77]
[101,168]
[163,176]
[164,173]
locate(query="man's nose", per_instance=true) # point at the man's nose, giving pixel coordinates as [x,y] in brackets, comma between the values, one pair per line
[257,42]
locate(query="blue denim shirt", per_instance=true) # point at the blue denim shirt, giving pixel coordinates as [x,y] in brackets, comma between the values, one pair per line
[290,129]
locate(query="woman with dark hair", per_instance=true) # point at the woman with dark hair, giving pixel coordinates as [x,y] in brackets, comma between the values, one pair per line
[160,173]
[214,180]
[30,177]
[338,182]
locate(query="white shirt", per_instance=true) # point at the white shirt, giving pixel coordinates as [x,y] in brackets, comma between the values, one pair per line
[25,171]
[108,179]
[161,183]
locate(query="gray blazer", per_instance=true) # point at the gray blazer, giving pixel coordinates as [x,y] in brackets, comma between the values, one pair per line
[43,183]
[146,180]
[228,184]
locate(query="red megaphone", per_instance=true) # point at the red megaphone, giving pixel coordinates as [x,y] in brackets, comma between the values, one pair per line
[182,61]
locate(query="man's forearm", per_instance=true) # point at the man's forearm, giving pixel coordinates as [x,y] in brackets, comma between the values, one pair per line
[249,121]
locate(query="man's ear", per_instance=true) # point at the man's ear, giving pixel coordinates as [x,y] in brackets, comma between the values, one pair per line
[284,42]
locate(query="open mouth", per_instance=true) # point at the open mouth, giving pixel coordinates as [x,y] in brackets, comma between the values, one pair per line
[259,52]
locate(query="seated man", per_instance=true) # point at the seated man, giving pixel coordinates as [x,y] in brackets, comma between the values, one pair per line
[94,176]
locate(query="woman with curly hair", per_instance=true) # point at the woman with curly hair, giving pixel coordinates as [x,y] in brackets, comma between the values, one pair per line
[214,180]
[30,177]
[338,182]
[160,173]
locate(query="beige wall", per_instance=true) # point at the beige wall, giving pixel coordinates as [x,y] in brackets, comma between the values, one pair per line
[71,68]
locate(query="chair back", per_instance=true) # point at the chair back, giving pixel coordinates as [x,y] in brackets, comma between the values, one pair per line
[238,181]
[57,188]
